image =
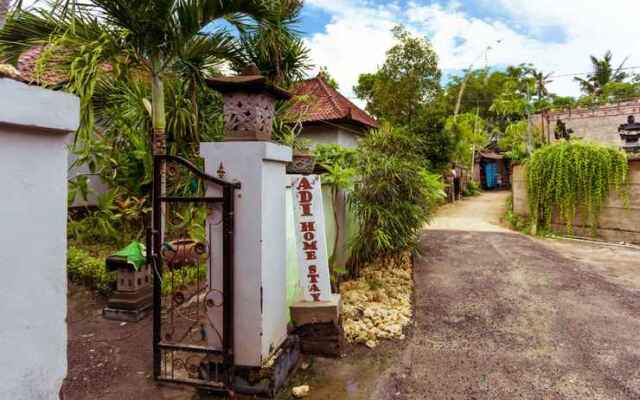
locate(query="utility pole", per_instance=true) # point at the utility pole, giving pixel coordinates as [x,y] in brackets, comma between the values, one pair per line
[467,75]
[529,138]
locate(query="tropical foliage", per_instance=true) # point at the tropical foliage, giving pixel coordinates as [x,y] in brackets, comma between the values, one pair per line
[140,72]
[394,195]
[603,73]
[573,178]
[408,78]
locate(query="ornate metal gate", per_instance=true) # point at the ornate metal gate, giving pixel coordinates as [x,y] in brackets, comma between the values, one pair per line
[183,291]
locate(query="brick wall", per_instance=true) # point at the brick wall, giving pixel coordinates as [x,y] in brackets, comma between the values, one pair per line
[599,124]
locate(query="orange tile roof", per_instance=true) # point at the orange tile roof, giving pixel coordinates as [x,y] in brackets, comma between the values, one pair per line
[321,102]
[27,68]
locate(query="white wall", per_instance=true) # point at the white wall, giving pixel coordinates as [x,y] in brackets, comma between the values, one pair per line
[260,246]
[33,213]
[327,134]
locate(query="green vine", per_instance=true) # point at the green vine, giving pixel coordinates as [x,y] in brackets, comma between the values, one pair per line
[574,178]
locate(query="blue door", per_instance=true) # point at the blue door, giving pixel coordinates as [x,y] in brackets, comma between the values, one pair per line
[491,174]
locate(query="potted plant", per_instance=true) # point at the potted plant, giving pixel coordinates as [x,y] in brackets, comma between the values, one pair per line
[303,161]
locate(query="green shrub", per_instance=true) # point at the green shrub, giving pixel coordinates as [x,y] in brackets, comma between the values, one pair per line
[516,222]
[181,278]
[394,195]
[574,177]
[472,189]
[335,155]
[83,268]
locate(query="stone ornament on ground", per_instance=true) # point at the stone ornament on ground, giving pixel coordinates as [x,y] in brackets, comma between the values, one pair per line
[300,391]
[378,304]
[8,71]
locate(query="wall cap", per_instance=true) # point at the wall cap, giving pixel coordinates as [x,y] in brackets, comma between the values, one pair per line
[267,151]
[38,109]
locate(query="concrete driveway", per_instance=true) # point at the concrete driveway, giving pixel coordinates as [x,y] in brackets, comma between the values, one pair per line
[500,315]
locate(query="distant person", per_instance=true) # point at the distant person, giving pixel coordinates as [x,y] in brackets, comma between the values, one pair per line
[456,183]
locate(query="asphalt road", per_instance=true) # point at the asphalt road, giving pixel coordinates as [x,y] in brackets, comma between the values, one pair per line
[500,315]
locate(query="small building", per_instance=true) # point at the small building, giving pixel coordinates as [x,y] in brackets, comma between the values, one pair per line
[327,116]
[492,168]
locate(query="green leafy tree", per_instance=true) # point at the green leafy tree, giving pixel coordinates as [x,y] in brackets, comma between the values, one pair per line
[602,73]
[407,80]
[469,133]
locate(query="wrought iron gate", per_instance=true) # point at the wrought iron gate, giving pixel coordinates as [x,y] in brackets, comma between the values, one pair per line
[183,291]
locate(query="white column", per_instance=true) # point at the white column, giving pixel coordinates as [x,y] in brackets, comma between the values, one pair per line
[260,308]
[33,215]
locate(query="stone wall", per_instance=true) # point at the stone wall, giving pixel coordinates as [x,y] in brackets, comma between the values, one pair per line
[33,215]
[617,223]
[598,124]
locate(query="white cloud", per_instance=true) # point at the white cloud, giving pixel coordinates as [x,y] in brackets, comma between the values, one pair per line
[358,35]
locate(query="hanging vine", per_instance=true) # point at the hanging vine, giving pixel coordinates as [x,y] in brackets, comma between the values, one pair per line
[574,178]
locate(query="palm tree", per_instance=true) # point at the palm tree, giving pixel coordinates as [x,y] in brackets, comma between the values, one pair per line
[541,81]
[151,35]
[602,74]
[277,49]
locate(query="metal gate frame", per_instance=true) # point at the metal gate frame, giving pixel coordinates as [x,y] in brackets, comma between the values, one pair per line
[154,258]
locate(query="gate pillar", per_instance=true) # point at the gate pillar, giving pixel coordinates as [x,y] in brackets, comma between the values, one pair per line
[260,304]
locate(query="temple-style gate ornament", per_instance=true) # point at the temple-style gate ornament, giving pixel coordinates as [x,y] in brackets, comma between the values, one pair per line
[630,135]
[249,105]
[132,299]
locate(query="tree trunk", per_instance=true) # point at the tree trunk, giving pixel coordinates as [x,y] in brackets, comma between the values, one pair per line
[158,136]
[158,118]
[4,8]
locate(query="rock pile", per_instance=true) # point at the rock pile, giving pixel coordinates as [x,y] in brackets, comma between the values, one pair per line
[378,304]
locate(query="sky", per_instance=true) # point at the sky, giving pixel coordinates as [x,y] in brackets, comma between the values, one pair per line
[351,37]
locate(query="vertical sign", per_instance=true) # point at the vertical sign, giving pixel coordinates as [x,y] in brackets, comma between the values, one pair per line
[311,239]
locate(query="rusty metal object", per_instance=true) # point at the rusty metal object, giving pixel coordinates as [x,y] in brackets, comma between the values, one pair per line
[183,252]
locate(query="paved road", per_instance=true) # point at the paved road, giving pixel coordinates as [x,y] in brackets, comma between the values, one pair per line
[503,316]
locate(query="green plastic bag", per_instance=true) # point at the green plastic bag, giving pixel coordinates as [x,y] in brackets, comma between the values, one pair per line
[135,254]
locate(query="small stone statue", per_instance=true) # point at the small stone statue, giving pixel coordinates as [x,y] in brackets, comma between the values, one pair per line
[561,131]
[630,135]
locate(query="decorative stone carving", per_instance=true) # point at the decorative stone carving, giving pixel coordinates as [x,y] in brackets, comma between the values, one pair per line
[248,116]
[249,105]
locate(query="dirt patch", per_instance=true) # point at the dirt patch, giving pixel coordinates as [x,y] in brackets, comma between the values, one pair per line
[501,316]
[109,360]
[482,213]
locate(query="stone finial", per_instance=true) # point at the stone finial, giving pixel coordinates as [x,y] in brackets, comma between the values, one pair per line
[250,69]
[249,105]
[8,71]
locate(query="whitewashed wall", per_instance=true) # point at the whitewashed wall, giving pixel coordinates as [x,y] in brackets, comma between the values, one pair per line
[33,212]
[327,134]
